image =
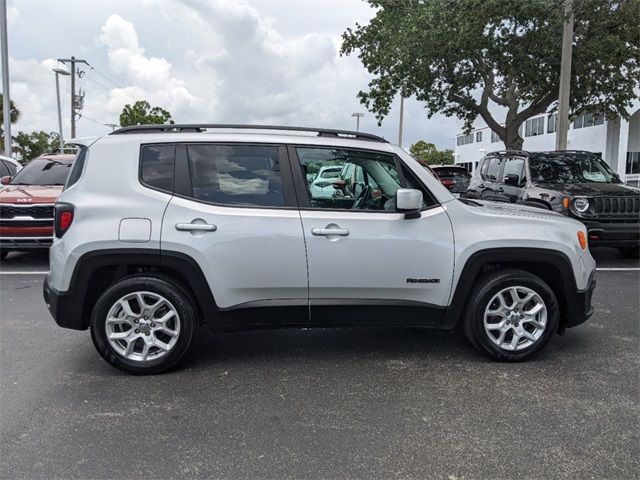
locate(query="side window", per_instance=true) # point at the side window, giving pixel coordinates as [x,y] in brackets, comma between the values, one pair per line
[4,170]
[411,181]
[236,174]
[11,167]
[156,166]
[368,180]
[493,170]
[514,166]
[76,168]
[484,166]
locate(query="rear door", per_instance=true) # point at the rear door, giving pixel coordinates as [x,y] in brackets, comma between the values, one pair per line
[234,212]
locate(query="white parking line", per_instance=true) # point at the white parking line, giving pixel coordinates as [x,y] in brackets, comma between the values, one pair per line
[618,269]
[24,273]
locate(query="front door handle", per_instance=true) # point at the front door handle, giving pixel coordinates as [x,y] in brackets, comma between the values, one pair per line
[199,227]
[481,185]
[326,232]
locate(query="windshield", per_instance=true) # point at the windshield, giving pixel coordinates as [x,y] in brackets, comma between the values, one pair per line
[43,171]
[571,169]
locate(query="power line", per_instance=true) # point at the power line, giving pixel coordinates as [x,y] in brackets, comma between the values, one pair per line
[107,88]
[82,115]
[113,82]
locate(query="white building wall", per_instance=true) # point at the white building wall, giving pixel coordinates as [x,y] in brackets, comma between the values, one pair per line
[613,140]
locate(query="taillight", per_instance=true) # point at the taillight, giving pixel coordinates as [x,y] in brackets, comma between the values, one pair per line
[447,183]
[63,218]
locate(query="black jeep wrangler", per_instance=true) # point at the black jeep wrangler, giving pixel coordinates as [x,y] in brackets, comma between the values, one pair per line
[574,183]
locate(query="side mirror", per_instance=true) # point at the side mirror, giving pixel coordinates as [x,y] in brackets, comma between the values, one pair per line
[5,180]
[512,179]
[409,202]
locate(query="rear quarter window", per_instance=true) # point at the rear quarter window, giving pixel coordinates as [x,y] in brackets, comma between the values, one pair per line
[157,166]
[76,168]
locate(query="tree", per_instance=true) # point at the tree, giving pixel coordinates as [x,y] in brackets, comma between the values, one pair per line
[470,58]
[31,145]
[141,113]
[429,154]
[14,114]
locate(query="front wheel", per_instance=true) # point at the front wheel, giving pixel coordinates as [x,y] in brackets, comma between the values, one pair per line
[143,324]
[511,315]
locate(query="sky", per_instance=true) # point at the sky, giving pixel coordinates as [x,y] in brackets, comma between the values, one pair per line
[206,61]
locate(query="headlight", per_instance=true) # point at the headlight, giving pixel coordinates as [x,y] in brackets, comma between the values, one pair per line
[581,204]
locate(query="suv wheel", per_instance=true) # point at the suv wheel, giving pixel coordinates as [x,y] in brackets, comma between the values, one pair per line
[143,324]
[511,315]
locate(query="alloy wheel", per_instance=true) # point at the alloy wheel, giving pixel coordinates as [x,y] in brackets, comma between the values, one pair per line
[142,326]
[515,318]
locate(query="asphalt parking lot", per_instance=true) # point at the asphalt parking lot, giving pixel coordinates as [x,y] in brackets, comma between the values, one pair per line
[350,403]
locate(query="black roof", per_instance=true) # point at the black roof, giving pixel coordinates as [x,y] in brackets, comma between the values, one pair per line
[203,127]
[526,153]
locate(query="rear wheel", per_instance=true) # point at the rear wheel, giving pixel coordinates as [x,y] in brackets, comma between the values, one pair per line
[511,315]
[3,254]
[143,324]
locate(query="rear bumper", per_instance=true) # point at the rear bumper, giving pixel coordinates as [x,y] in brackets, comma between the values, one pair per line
[579,307]
[64,307]
[603,234]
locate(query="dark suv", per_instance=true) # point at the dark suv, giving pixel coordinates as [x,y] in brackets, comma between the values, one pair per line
[573,183]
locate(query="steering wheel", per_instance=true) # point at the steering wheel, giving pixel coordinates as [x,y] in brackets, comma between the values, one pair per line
[363,198]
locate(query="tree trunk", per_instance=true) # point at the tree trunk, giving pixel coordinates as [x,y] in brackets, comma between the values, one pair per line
[512,139]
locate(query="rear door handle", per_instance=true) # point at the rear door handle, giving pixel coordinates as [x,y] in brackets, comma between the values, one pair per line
[200,227]
[325,232]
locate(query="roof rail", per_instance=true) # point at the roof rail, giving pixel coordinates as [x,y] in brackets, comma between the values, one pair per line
[201,127]
[508,152]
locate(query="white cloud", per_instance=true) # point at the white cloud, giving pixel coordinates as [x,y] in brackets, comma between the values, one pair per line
[151,76]
[218,61]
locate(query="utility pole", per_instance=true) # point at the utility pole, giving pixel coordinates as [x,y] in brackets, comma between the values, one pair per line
[401,121]
[565,77]
[72,61]
[58,72]
[358,117]
[6,97]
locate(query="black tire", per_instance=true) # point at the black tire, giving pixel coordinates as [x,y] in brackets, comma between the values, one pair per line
[485,289]
[3,254]
[630,252]
[174,293]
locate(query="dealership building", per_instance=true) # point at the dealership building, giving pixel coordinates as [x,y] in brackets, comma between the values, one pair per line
[616,140]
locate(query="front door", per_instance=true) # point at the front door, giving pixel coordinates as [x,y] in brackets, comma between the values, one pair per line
[512,180]
[360,251]
[492,190]
[234,213]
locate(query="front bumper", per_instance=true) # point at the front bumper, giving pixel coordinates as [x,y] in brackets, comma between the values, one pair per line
[578,306]
[64,307]
[614,234]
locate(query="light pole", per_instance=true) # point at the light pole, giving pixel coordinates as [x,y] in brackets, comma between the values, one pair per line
[60,71]
[358,117]
[6,97]
[401,121]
